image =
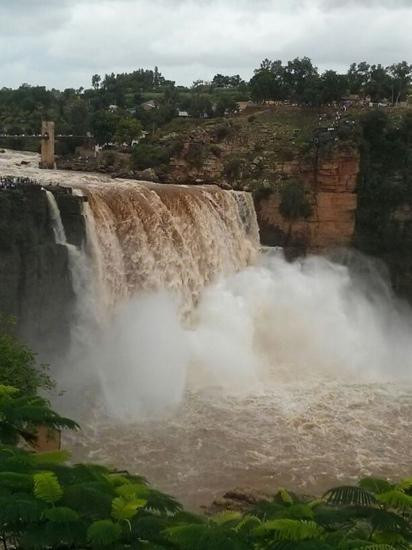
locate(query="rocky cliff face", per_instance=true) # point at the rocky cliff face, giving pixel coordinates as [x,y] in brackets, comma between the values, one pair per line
[329,183]
[35,285]
[331,190]
[262,157]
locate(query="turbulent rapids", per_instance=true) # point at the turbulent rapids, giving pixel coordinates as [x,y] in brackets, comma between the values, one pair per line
[204,364]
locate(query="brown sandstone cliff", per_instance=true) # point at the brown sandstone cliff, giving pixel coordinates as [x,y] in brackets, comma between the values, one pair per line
[331,190]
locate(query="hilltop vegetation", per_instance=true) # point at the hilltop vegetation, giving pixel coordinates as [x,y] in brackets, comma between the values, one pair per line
[116,106]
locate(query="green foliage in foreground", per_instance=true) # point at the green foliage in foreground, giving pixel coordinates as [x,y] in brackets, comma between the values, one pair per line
[20,416]
[45,503]
[18,363]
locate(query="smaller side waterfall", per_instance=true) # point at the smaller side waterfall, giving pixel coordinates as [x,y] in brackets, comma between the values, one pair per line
[86,311]
[57,223]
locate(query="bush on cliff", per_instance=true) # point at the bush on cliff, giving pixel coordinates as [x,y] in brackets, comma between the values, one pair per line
[146,155]
[293,201]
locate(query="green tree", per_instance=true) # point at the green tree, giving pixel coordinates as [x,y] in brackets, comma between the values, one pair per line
[268,82]
[401,74]
[21,415]
[96,79]
[103,126]
[146,155]
[358,77]
[127,130]
[293,201]
[18,365]
[225,106]
[296,75]
[334,86]
[379,86]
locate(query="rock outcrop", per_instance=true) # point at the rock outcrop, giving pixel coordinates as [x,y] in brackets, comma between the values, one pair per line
[35,285]
[331,191]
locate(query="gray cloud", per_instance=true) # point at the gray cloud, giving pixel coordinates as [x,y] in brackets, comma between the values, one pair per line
[62,43]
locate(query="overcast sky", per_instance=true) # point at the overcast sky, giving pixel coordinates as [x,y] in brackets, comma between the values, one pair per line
[61,43]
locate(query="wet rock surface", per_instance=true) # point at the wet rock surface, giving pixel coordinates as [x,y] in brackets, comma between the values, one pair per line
[35,284]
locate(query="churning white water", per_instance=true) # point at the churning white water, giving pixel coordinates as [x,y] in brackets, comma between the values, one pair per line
[294,374]
[270,324]
[213,367]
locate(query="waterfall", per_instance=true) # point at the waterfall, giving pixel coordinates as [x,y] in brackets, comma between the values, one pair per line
[87,312]
[147,237]
[57,224]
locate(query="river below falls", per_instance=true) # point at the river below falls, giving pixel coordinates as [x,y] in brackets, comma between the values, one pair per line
[320,349]
[304,437]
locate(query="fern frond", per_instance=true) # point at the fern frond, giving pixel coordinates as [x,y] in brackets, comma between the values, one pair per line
[247,525]
[227,517]
[65,534]
[20,508]
[290,529]
[51,458]
[285,497]
[47,487]
[379,547]
[384,520]
[375,485]
[16,481]
[405,484]
[162,503]
[7,391]
[123,509]
[132,490]
[186,536]
[61,514]
[395,499]
[149,528]
[296,511]
[104,533]
[91,500]
[266,509]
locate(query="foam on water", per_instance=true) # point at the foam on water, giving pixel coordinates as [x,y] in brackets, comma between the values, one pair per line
[276,373]
[285,374]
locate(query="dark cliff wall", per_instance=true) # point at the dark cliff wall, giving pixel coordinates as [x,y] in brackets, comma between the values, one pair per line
[384,213]
[35,283]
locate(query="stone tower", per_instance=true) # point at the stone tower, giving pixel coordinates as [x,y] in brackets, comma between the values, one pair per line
[47,145]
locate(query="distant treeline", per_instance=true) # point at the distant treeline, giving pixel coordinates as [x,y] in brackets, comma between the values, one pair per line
[119,107]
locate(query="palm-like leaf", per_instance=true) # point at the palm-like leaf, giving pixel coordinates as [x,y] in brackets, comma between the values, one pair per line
[350,495]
